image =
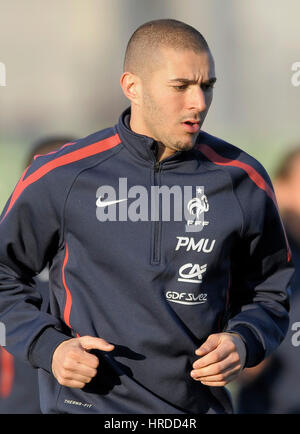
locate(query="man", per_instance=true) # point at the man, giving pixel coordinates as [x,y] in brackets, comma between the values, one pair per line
[157,302]
[273,386]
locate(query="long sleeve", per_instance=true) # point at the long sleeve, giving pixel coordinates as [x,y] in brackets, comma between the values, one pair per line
[32,235]
[261,272]
[29,234]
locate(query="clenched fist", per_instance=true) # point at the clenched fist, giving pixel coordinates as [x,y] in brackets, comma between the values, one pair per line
[73,365]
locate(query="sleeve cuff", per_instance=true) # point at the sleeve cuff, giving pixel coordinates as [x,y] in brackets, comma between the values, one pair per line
[42,349]
[255,352]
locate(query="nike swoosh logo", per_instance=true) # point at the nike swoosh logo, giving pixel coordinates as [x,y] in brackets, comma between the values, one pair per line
[101,204]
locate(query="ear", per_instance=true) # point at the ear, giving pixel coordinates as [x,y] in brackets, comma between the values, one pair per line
[131,86]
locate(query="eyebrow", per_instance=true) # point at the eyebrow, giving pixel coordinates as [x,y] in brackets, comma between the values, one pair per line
[187,81]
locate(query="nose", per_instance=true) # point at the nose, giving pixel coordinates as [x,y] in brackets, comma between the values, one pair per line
[196,99]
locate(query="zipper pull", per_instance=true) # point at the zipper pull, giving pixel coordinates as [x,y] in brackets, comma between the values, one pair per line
[156,166]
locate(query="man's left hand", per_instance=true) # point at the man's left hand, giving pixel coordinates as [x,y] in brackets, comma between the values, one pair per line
[222,358]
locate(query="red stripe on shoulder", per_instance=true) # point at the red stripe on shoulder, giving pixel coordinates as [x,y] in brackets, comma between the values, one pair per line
[218,159]
[53,152]
[79,154]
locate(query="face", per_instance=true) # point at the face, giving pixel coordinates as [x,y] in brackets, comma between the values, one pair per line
[176,97]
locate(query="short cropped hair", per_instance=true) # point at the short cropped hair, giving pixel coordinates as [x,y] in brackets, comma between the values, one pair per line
[153,35]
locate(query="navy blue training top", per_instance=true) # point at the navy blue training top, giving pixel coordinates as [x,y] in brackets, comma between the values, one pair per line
[154,274]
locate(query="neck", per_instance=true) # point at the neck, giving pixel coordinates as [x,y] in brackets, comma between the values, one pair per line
[139,128]
[164,152]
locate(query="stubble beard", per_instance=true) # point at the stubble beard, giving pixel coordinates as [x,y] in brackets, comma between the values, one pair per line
[153,121]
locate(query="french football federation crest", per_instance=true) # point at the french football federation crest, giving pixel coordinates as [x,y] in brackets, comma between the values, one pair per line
[196,208]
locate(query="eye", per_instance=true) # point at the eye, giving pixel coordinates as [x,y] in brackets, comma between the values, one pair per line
[181,87]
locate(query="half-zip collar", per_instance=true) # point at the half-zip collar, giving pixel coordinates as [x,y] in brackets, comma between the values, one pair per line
[144,147]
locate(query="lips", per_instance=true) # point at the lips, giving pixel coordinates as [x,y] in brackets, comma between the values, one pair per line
[191,126]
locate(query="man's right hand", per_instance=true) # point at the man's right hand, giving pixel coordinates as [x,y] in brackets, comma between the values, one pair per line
[72,365]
